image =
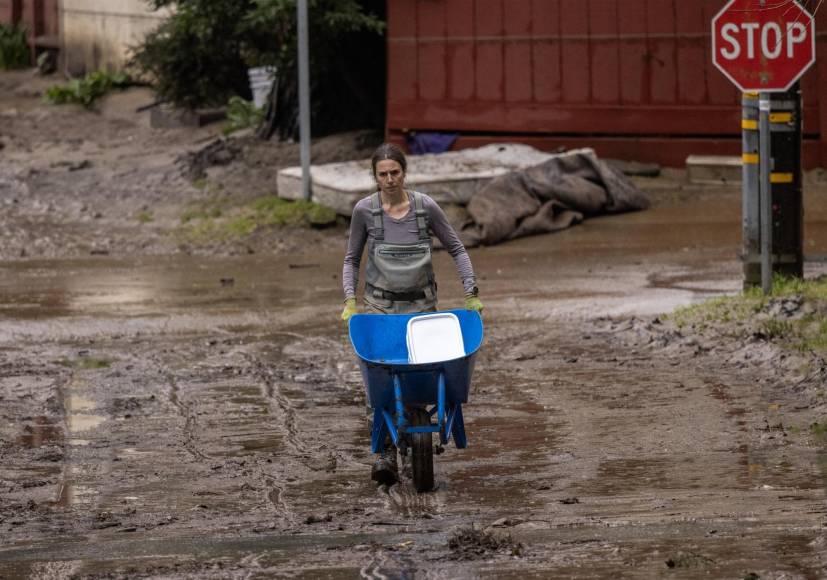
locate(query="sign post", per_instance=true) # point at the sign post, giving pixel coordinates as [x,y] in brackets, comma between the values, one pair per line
[765,190]
[763,47]
[304,97]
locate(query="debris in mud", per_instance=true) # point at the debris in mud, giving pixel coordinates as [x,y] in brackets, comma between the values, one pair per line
[221,151]
[471,542]
[506,523]
[569,500]
[298,266]
[689,560]
[73,165]
[318,519]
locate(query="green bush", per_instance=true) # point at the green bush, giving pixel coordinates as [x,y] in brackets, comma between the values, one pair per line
[194,56]
[14,47]
[199,56]
[86,90]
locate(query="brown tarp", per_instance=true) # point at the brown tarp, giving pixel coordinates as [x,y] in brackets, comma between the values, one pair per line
[549,197]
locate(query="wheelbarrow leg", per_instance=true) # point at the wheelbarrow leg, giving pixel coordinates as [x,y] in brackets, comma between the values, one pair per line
[379,431]
[456,426]
[458,429]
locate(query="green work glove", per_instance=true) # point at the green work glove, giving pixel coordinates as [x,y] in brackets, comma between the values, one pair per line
[350,309]
[473,303]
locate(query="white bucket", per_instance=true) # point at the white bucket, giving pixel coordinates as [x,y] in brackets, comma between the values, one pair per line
[261,81]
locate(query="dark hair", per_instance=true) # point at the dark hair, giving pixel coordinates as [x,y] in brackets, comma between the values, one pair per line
[388,151]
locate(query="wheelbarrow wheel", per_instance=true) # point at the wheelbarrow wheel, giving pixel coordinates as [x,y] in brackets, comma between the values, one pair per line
[422,452]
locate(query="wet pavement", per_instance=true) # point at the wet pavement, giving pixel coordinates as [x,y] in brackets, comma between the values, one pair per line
[186,417]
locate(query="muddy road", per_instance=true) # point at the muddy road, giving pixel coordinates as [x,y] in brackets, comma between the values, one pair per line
[173,411]
[180,417]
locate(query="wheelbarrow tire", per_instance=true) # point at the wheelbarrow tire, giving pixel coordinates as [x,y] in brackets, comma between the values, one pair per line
[422,453]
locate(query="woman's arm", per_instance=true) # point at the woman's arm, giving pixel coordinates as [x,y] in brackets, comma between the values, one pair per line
[450,240]
[355,246]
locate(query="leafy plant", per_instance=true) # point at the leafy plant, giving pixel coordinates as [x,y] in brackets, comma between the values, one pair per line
[14,47]
[86,90]
[242,114]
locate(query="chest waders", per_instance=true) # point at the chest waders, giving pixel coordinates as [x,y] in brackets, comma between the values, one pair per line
[399,278]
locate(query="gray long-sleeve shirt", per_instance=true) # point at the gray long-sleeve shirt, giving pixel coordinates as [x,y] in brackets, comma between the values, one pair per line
[401,231]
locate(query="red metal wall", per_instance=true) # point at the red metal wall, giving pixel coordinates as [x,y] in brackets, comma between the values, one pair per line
[40,17]
[632,78]
[9,11]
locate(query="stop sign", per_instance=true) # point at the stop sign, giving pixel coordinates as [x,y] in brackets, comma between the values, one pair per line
[763,48]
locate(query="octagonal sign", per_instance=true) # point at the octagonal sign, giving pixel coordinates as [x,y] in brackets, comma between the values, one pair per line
[763,48]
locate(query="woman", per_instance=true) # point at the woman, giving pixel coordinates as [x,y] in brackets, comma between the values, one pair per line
[396,226]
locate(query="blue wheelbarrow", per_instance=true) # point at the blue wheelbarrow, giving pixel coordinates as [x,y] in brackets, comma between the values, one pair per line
[413,400]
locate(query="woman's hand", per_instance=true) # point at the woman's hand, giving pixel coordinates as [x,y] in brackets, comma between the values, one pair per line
[350,309]
[474,303]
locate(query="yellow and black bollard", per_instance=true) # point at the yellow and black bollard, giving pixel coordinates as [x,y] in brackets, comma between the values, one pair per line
[785,182]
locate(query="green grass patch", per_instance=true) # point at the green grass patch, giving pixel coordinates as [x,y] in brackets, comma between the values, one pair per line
[85,363]
[774,328]
[216,220]
[272,210]
[207,185]
[14,47]
[145,217]
[202,212]
[749,312]
[86,90]
[724,309]
[819,430]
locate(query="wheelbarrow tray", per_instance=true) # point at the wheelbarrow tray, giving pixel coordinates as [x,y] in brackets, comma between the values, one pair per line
[380,343]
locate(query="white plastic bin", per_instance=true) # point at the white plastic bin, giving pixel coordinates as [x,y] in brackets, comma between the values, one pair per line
[434,338]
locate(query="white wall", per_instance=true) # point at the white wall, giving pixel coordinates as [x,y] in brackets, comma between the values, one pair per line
[98,34]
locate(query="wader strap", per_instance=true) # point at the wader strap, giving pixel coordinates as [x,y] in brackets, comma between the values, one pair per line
[399,296]
[421,222]
[376,211]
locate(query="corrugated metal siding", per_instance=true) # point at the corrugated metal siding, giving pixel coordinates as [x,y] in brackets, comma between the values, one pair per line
[605,68]
[40,17]
[8,11]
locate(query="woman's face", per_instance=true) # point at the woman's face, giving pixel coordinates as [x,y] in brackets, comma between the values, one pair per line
[389,176]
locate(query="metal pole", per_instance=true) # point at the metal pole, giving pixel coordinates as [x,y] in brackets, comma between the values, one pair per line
[765,167]
[750,200]
[304,97]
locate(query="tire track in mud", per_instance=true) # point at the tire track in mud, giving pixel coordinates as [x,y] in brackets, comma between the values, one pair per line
[288,426]
[274,491]
[373,569]
[189,415]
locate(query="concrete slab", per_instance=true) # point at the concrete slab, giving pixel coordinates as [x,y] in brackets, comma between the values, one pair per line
[713,169]
[451,177]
